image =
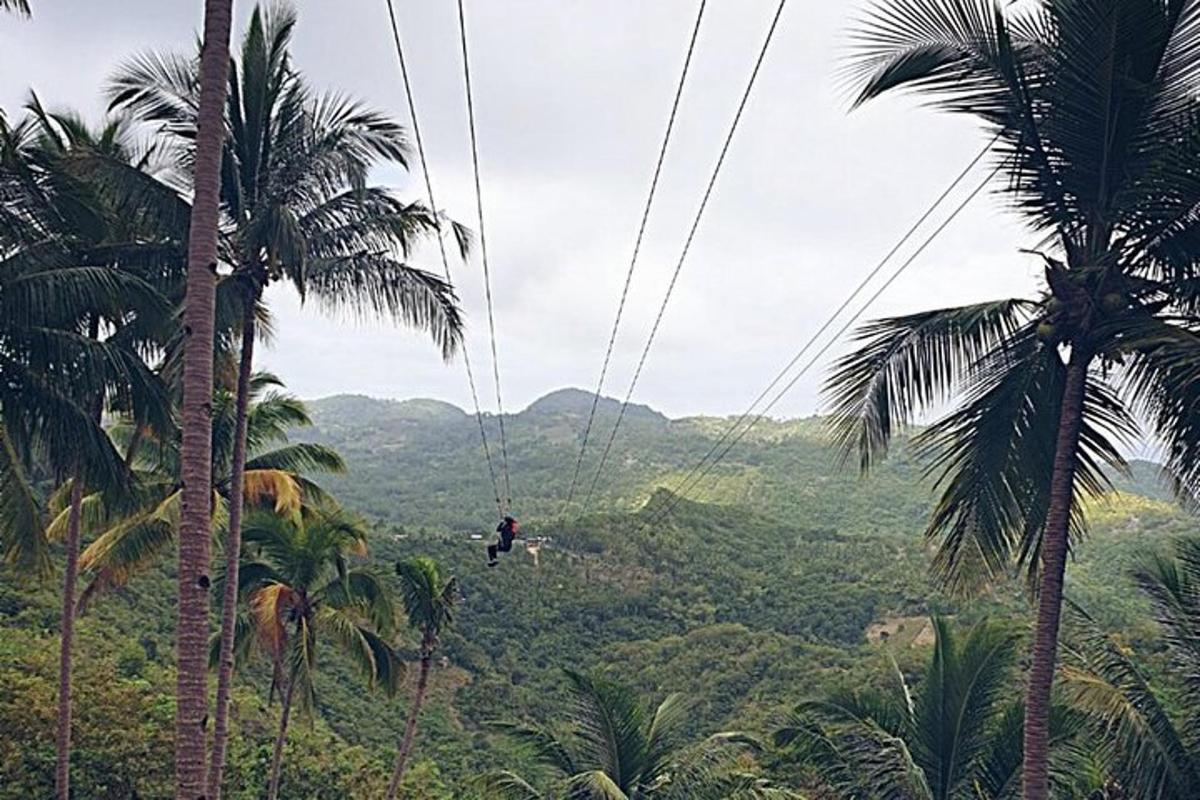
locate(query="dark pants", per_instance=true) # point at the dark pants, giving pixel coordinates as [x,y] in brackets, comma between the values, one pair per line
[503,546]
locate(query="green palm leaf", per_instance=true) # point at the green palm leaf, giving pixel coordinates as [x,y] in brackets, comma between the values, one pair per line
[23,539]
[1138,736]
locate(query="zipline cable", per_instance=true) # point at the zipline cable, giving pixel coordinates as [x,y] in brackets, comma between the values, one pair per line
[667,509]
[916,226]
[637,246]
[687,246]
[412,111]
[483,254]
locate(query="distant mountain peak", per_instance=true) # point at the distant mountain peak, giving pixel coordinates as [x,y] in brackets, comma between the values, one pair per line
[577,402]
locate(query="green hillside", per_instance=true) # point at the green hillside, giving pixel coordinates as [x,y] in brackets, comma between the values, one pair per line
[789,577]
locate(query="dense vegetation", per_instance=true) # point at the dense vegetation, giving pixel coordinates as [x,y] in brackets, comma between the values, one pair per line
[745,612]
[788,631]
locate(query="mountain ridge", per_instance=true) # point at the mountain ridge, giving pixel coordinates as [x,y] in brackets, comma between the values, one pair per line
[568,400]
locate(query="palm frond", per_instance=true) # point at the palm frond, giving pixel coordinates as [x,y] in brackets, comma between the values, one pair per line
[23,538]
[1139,736]
[275,487]
[609,725]
[17,6]
[665,733]
[958,703]
[428,594]
[993,458]
[131,546]
[299,458]
[544,745]
[363,592]
[269,610]
[375,659]
[908,365]
[1173,586]
[595,785]
[505,785]
[373,284]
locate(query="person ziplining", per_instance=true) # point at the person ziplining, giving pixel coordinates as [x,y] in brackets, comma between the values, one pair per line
[508,529]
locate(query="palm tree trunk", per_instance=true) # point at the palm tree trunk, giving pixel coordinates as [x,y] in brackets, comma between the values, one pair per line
[62,766]
[62,770]
[280,738]
[233,550]
[410,727]
[191,716]
[1035,776]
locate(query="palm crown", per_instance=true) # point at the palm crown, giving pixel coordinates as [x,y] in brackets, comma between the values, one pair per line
[954,736]
[1092,107]
[298,583]
[277,471]
[296,202]
[621,749]
[1109,184]
[82,284]
[1149,742]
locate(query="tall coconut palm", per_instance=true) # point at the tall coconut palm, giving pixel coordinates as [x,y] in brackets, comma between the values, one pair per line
[66,265]
[299,586]
[619,748]
[1096,125]
[298,209]
[278,477]
[1149,742]
[956,737]
[75,222]
[191,701]
[429,596]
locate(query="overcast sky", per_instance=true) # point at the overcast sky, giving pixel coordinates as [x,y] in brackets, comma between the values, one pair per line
[572,99]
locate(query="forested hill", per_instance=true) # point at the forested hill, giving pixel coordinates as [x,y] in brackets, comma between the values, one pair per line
[420,462]
[783,579]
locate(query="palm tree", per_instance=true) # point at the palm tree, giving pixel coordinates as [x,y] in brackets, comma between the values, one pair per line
[622,749]
[1148,742]
[1094,118]
[276,479]
[297,208]
[74,222]
[429,597]
[955,738]
[299,585]
[16,6]
[191,715]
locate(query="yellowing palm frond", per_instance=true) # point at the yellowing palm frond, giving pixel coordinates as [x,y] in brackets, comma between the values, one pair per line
[275,486]
[93,516]
[130,546]
[268,610]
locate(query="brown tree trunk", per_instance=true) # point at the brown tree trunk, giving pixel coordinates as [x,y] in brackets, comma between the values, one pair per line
[62,767]
[1035,776]
[62,771]
[280,738]
[191,716]
[233,550]
[410,727]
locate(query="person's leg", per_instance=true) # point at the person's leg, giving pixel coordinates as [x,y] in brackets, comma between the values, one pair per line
[505,543]
[491,554]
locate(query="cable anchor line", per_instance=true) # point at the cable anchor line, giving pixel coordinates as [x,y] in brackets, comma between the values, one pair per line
[637,247]
[483,253]
[412,111]
[858,290]
[671,503]
[762,54]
